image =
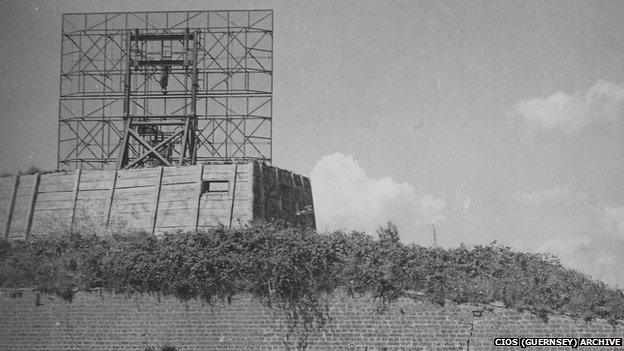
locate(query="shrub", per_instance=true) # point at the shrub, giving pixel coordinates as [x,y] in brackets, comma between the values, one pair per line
[292,269]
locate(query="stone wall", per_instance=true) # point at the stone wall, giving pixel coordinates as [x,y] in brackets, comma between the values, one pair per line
[95,321]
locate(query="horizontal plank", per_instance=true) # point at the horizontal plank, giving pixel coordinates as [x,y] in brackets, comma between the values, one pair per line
[187,196]
[137,173]
[92,201]
[179,187]
[130,200]
[93,195]
[25,187]
[53,205]
[90,176]
[180,204]
[146,181]
[131,192]
[51,187]
[57,178]
[55,196]
[174,175]
[171,218]
[176,212]
[6,195]
[96,185]
[134,207]
[22,205]
[86,214]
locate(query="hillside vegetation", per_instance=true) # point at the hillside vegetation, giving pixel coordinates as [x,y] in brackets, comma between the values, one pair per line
[294,269]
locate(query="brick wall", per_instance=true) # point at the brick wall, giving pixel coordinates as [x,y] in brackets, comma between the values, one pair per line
[96,321]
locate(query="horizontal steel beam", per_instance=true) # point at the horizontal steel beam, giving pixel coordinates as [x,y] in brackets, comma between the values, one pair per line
[157,36]
[160,63]
[157,123]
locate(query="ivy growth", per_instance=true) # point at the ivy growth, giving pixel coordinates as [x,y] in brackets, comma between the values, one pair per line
[293,269]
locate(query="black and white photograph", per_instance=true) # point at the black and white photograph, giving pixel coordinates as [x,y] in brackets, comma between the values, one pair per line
[358,175]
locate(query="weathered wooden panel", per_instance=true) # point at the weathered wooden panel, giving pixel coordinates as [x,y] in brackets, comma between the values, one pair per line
[53,205]
[137,198]
[214,219]
[25,184]
[178,191]
[177,204]
[121,201]
[93,195]
[6,188]
[53,182]
[175,217]
[46,218]
[147,182]
[134,207]
[54,197]
[95,185]
[177,175]
[94,176]
[132,194]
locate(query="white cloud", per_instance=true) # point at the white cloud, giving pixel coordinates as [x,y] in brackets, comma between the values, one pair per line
[467,204]
[346,198]
[571,113]
[597,254]
[614,217]
[540,197]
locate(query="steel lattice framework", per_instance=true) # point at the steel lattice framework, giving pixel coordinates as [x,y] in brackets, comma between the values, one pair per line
[140,89]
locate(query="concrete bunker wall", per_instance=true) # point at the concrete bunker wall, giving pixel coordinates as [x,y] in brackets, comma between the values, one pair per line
[154,199]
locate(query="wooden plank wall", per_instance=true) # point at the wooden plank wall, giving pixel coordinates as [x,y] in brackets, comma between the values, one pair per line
[155,199]
[281,194]
[217,208]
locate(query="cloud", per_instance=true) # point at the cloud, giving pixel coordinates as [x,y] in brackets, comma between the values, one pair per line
[467,204]
[571,113]
[540,197]
[597,254]
[614,217]
[346,198]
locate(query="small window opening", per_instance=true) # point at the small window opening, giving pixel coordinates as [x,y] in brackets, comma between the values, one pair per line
[215,186]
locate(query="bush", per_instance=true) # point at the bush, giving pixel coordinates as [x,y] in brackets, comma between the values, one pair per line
[292,269]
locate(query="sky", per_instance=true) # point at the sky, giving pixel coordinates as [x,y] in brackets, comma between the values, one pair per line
[486,120]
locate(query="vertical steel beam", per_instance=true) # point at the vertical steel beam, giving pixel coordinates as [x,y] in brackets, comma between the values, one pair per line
[122,159]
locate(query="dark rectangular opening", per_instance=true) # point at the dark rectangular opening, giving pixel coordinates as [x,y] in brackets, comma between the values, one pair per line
[215,186]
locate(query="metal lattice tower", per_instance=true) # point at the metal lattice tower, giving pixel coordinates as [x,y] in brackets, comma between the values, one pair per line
[141,89]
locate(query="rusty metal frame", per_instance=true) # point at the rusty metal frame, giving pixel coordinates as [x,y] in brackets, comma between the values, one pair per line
[218,107]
